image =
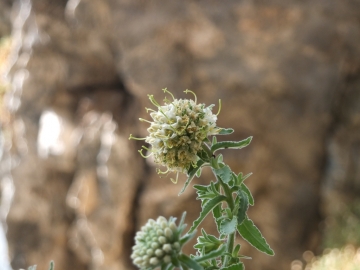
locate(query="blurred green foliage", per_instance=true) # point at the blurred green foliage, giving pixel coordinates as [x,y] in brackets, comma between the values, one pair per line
[342,226]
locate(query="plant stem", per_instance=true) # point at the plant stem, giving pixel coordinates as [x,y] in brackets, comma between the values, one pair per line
[206,148]
[229,247]
[231,204]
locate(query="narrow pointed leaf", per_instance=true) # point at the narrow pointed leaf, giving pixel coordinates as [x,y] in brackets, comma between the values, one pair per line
[226,131]
[187,237]
[187,261]
[191,174]
[242,178]
[244,205]
[236,250]
[248,193]
[253,236]
[238,266]
[228,226]
[206,210]
[211,255]
[231,144]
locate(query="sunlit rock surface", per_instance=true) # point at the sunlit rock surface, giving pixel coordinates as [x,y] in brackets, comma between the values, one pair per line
[80,74]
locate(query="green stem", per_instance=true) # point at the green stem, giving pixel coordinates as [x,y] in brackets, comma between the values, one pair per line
[229,247]
[206,148]
[231,204]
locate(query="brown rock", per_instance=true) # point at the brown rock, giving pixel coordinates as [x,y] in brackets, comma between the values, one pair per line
[276,66]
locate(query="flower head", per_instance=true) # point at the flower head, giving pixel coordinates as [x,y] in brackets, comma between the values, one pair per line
[177,131]
[158,243]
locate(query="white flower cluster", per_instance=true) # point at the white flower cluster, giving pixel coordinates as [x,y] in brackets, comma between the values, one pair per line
[177,132]
[156,243]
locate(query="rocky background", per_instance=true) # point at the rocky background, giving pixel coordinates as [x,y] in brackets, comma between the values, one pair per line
[75,190]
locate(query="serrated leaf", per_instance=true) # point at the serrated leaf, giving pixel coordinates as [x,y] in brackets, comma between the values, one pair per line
[217,214]
[237,266]
[253,236]
[231,144]
[188,262]
[224,173]
[210,205]
[225,131]
[191,174]
[228,226]
[244,205]
[248,193]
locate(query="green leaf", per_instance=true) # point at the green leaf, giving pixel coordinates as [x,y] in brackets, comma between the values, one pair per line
[244,205]
[191,174]
[206,210]
[237,266]
[242,178]
[175,261]
[217,214]
[236,250]
[225,131]
[231,144]
[211,255]
[248,193]
[201,188]
[32,267]
[228,226]
[52,264]
[253,236]
[224,173]
[187,237]
[188,262]
[214,140]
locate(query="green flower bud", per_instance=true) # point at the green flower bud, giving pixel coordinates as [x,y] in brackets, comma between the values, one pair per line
[157,243]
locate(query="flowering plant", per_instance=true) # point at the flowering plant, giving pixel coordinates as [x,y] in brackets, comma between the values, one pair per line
[182,135]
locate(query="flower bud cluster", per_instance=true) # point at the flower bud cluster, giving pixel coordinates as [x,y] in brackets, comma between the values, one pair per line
[156,243]
[177,132]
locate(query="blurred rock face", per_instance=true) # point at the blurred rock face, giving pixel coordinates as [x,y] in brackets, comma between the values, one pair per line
[81,72]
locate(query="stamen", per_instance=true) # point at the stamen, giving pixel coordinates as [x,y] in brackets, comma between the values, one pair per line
[131,137]
[189,91]
[167,91]
[148,109]
[144,120]
[219,107]
[153,101]
[176,180]
[147,149]
[161,172]
[140,151]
